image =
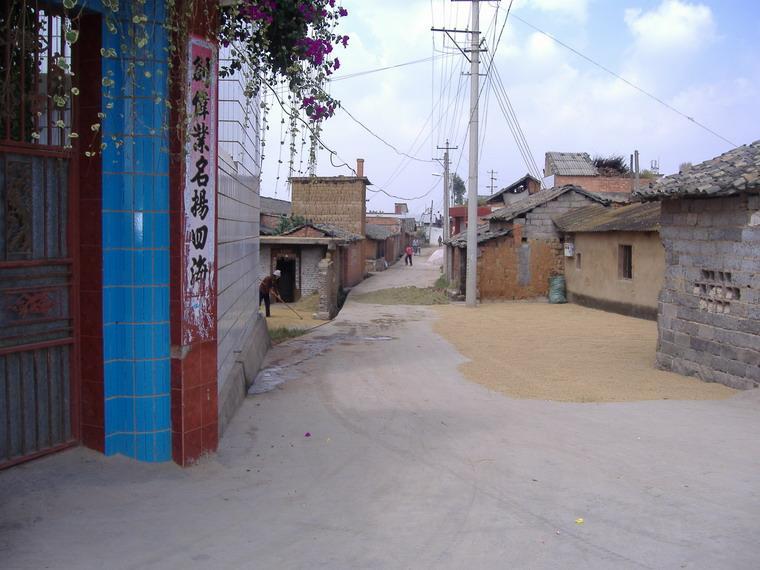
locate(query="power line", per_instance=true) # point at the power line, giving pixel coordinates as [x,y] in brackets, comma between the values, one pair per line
[629,83]
[408,199]
[388,67]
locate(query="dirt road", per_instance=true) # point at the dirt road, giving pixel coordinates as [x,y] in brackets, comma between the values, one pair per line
[374,452]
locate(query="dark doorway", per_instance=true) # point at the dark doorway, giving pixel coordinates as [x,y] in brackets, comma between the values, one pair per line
[287,282]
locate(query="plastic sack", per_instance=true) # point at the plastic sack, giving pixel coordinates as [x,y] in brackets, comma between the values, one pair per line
[557,289]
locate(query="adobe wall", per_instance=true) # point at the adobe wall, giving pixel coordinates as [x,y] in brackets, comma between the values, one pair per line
[335,200]
[709,308]
[328,287]
[352,264]
[509,270]
[597,283]
[597,183]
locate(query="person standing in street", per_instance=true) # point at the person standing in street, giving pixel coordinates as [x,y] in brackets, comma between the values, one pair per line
[416,246]
[440,241]
[409,253]
[268,286]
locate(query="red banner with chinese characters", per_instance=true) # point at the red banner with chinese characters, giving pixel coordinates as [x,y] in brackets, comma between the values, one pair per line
[199,279]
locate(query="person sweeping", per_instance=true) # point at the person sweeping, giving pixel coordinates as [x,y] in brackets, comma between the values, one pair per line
[268,286]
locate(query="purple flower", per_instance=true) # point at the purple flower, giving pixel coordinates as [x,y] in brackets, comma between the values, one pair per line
[342,12]
[336,63]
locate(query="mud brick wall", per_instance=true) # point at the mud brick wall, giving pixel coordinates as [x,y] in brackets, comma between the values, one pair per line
[709,307]
[339,201]
[598,183]
[516,270]
[352,264]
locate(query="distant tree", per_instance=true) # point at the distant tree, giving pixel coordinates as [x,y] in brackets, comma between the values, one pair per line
[288,223]
[613,165]
[684,167]
[458,189]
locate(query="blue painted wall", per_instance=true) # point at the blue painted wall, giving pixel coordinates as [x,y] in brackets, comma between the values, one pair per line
[136,244]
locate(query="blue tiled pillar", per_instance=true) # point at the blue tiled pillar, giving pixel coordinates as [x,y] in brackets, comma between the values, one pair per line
[135,220]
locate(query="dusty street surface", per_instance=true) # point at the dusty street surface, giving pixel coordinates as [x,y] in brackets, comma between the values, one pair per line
[407,465]
[421,274]
[566,353]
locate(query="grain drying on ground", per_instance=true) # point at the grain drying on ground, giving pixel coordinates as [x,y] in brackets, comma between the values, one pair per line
[565,353]
[404,296]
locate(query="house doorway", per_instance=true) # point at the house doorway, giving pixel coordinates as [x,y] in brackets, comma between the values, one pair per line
[287,281]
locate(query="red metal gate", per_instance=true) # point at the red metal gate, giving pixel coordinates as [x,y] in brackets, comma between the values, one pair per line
[38,270]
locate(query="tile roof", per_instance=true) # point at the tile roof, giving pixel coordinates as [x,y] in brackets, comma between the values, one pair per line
[570,164]
[540,198]
[485,233]
[275,206]
[329,230]
[514,184]
[735,171]
[597,218]
[377,232]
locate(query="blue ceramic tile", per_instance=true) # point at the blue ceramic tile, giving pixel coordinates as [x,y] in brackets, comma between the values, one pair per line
[144,305]
[153,447]
[117,229]
[161,193]
[117,192]
[118,266]
[118,342]
[161,303]
[119,378]
[161,267]
[138,229]
[161,341]
[122,443]
[118,305]
[144,192]
[152,413]
[144,272]
[119,415]
[144,341]
[157,226]
[153,377]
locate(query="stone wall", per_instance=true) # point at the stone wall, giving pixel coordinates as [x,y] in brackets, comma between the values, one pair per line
[709,307]
[539,224]
[328,288]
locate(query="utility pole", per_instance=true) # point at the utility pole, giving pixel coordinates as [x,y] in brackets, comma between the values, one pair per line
[492,186]
[470,296]
[430,227]
[446,202]
[473,56]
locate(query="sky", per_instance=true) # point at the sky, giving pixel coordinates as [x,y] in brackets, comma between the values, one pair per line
[700,59]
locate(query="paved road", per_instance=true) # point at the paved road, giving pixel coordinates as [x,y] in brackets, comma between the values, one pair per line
[421,274]
[407,465]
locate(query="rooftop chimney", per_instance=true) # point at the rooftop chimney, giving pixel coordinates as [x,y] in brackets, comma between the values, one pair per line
[360,168]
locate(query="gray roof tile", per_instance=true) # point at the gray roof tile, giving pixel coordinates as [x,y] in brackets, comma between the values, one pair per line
[570,164]
[540,198]
[735,171]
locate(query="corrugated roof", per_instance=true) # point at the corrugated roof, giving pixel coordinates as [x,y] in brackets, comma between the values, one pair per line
[597,218]
[539,198]
[735,171]
[377,232]
[515,184]
[485,233]
[329,230]
[570,164]
[275,206]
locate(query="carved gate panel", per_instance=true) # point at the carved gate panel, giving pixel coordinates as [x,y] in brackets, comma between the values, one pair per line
[37,266]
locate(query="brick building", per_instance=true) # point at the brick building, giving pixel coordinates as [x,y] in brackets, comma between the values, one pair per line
[518,190]
[614,259]
[578,169]
[382,247]
[709,307]
[273,211]
[519,248]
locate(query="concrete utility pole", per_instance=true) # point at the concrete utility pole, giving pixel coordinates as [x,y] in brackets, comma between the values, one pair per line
[473,56]
[430,227]
[446,202]
[471,284]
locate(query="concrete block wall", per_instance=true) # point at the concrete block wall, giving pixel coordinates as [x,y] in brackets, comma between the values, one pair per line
[709,307]
[310,273]
[539,222]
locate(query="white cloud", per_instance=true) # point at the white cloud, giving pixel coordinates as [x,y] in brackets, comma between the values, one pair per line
[672,26]
[577,9]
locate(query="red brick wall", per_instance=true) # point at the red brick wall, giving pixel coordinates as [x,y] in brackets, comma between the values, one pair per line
[352,264]
[269,220]
[597,183]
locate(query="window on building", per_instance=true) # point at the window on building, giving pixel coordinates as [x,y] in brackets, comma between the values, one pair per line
[625,261]
[578,260]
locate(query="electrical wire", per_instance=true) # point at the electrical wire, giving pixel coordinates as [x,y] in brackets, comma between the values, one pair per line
[388,67]
[629,83]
